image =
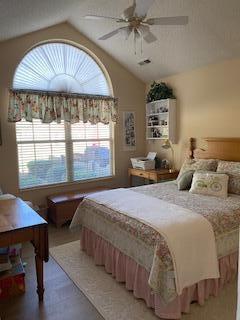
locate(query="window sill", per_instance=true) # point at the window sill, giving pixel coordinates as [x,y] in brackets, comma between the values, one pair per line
[63,184]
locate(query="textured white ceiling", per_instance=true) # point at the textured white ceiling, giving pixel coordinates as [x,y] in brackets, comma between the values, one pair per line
[212,34]
[18,17]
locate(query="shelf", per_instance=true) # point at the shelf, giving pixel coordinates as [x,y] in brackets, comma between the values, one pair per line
[161,120]
[161,138]
[156,114]
[157,127]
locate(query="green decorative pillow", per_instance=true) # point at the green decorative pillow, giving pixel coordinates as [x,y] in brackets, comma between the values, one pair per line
[185,180]
[198,164]
[210,183]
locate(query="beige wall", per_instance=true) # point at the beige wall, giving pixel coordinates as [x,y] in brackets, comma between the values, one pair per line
[208,104]
[127,88]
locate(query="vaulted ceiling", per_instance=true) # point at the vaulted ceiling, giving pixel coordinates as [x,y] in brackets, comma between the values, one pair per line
[212,34]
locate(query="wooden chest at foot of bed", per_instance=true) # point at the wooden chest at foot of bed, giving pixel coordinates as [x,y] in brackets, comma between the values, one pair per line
[61,207]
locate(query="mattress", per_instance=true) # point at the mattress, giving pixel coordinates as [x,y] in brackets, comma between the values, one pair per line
[146,246]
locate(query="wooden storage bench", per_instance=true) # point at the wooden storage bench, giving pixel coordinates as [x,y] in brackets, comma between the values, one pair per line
[61,207]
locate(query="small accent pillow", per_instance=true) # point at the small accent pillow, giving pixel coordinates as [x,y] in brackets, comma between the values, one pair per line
[210,183]
[185,180]
[198,164]
[232,169]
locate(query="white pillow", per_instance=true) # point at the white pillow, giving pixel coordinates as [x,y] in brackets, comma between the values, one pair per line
[210,183]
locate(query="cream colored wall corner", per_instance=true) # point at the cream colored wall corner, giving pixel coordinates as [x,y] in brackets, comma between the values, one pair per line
[129,90]
[208,105]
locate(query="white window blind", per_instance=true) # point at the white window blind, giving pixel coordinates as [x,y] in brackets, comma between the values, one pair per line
[56,153]
[60,67]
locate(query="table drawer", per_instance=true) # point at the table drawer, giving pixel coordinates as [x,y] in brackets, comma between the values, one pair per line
[152,176]
[169,176]
[140,173]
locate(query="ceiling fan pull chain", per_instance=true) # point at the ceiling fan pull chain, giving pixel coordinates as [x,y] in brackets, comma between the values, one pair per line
[135,51]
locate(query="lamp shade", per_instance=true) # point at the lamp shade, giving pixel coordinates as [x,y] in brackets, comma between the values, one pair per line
[166,144]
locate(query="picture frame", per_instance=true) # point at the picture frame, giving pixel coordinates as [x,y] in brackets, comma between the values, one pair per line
[129,132]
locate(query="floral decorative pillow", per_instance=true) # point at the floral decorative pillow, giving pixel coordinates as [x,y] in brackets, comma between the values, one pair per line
[210,183]
[198,164]
[232,169]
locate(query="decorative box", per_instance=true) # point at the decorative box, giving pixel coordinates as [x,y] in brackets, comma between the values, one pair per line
[12,282]
[144,163]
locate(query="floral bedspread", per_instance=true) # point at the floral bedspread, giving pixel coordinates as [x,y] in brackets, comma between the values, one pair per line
[132,236]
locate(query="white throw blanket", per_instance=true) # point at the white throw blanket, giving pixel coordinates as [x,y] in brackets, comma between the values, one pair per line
[189,235]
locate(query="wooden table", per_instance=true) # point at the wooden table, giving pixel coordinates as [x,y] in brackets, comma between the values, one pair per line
[153,175]
[19,223]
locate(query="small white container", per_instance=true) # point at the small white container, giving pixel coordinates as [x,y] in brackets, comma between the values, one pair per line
[144,163]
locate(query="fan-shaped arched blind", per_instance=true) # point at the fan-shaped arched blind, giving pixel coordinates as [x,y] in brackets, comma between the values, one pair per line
[60,67]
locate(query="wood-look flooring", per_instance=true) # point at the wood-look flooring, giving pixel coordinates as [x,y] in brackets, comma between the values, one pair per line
[62,299]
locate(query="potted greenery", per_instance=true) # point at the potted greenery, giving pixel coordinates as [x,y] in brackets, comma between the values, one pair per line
[159,91]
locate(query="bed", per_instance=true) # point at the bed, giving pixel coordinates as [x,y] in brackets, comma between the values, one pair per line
[136,254]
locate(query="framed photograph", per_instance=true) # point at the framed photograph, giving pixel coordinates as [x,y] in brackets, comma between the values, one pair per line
[129,134]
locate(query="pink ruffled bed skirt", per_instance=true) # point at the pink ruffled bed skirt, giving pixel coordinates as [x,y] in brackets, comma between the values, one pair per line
[125,269]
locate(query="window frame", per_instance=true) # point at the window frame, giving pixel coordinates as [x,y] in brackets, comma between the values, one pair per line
[68,141]
[112,125]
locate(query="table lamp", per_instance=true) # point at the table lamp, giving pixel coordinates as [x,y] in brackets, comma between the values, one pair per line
[167,145]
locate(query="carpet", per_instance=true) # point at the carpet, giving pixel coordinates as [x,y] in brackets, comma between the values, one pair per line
[114,302]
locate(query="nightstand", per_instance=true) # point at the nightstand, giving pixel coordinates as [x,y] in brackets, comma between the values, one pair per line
[152,175]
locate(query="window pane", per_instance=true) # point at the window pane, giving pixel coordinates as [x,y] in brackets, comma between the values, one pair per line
[38,131]
[91,160]
[24,131]
[41,164]
[46,152]
[78,130]
[82,130]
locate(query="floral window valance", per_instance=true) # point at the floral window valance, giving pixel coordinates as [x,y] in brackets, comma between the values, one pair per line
[55,106]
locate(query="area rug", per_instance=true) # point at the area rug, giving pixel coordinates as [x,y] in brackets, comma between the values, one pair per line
[114,302]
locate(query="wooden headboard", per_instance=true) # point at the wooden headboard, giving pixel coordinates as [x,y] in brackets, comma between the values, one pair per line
[217,148]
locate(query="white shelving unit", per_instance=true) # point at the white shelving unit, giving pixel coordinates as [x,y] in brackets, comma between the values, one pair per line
[161,120]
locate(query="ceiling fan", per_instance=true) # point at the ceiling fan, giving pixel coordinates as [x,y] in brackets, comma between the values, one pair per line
[135,17]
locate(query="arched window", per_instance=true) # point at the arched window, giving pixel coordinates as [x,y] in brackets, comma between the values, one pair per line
[59,153]
[60,67]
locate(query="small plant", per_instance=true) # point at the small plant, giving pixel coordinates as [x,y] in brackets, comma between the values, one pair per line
[159,91]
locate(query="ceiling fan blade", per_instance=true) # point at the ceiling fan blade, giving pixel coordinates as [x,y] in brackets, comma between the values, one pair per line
[181,20]
[109,35]
[129,12]
[149,37]
[143,29]
[125,31]
[145,33]
[142,7]
[95,17]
